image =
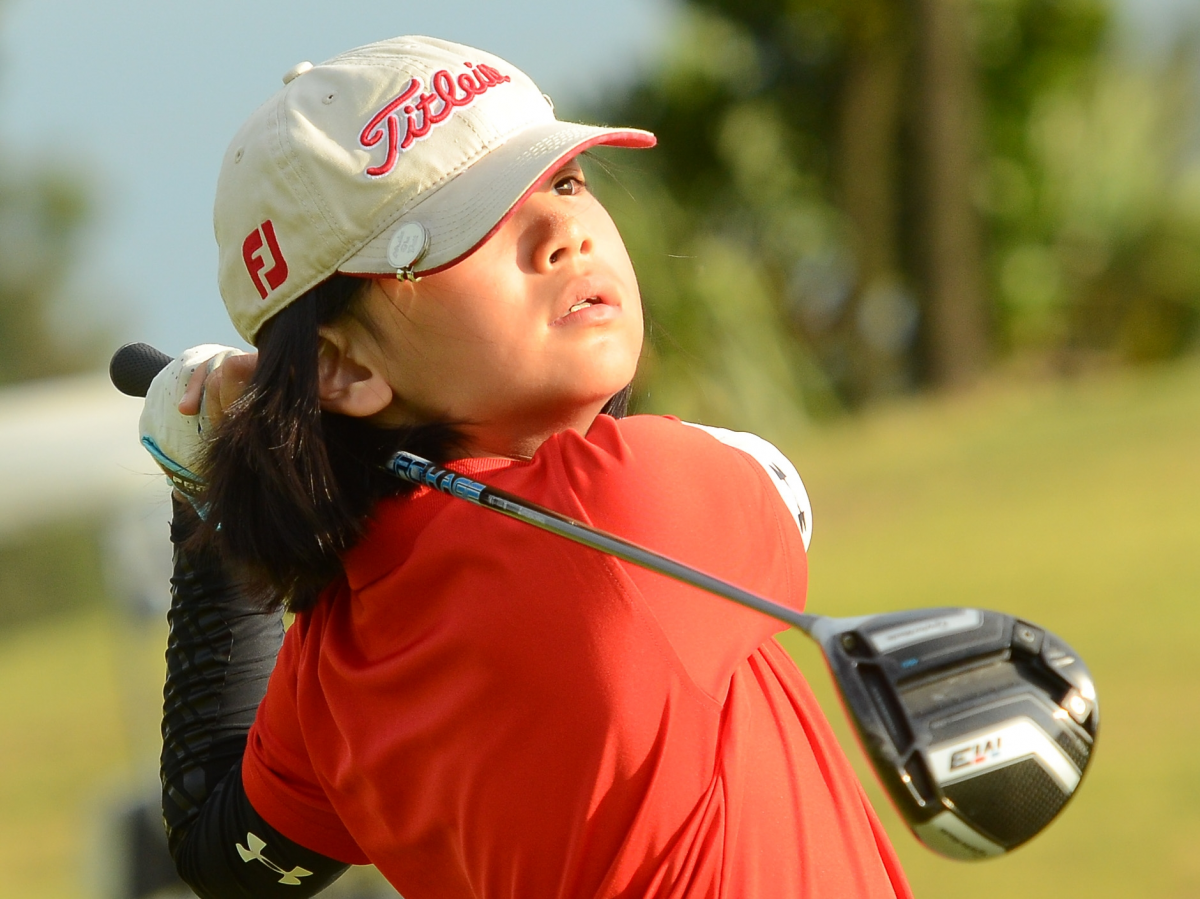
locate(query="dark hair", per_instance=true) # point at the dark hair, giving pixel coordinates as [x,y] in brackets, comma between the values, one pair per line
[290,487]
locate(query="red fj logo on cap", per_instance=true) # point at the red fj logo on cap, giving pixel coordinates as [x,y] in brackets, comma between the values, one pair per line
[252,255]
[424,110]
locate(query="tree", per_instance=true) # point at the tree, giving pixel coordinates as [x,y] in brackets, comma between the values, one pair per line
[958,333]
[845,152]
[41,214]
[1095,215]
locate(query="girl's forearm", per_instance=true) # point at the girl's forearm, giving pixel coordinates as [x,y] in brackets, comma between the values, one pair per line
[220,654]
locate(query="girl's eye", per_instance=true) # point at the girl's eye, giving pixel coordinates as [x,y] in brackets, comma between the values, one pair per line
[569,185]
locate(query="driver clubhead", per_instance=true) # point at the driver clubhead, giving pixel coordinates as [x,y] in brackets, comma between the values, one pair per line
[980,725]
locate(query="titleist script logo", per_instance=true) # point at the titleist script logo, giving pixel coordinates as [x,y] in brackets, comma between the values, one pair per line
[263,237]
[423,110]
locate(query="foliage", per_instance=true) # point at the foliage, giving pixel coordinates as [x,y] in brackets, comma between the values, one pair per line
[716,349]
[1098,226]
[41,212]
[805,168]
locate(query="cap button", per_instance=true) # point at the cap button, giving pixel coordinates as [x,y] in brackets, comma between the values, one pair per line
[296,71]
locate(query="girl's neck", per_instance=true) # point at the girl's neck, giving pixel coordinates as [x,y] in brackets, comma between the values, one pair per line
[498,440]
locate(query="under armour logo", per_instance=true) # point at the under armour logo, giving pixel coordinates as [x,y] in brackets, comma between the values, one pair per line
[782,475]
[254,853]
[252,255]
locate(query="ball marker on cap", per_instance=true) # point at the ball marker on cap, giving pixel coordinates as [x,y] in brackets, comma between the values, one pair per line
[406,248]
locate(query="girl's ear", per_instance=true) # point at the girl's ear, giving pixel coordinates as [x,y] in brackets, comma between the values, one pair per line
[351,383]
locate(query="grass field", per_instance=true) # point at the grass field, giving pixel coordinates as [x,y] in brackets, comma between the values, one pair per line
[78,702]
[1076,505]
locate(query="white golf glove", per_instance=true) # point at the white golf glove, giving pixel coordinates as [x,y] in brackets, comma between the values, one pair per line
[176,441]
[783,473]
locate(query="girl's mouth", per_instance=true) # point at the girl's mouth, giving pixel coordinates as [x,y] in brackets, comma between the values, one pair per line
[591,303]
[584,303]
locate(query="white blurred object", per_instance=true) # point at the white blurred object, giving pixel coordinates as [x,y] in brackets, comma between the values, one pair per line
[69,448]
[137,558]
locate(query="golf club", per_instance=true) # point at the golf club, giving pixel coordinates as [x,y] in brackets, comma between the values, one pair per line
[979,724]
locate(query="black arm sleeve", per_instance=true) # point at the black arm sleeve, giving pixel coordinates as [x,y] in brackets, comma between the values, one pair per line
[220,653]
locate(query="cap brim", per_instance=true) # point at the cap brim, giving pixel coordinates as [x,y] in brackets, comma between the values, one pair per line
[463,213]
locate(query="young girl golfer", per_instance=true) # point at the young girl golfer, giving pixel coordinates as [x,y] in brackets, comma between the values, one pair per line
[476,707]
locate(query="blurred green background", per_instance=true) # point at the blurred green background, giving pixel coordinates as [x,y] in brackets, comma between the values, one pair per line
[945,252]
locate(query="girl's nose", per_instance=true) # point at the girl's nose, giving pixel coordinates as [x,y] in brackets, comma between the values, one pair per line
[559,238]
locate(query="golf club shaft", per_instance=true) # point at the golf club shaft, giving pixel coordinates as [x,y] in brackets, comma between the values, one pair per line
[421,471]
[134,365]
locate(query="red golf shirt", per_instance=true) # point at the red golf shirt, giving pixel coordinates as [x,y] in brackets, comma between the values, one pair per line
[482,709]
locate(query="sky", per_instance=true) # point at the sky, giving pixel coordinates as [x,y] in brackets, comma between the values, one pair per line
[1150,26]
[141,97]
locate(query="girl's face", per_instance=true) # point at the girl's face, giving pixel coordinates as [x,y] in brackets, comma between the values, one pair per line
[528,336]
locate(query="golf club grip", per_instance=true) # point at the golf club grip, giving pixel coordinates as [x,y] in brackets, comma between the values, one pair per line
[134,366]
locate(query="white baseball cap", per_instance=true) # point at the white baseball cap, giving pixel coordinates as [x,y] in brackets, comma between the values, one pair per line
[400,157]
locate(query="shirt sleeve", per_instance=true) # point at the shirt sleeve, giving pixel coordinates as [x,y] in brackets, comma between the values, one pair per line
[278,776]
[784,476]
[682,492]
[230,852]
